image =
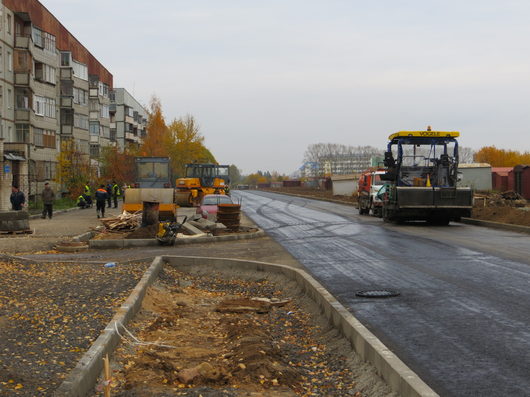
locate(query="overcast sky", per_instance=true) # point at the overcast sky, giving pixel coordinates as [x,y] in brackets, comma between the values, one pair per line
[265,79]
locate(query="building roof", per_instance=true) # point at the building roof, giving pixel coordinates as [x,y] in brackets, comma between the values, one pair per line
[502,171]
[65,41]
[344,177]
[474,165]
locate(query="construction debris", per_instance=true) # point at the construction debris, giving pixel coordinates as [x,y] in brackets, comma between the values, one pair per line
[504,199]
[124,221]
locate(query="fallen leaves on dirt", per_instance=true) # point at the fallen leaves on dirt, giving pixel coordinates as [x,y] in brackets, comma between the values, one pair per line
[226,343]
[49,316]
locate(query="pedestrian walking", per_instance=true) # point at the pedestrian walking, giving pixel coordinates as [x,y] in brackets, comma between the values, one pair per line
[101,198]
[116,192]
[17,198]
[109,192]
[48,197]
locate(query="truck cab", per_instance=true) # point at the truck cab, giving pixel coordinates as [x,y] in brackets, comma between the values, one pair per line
[370,183]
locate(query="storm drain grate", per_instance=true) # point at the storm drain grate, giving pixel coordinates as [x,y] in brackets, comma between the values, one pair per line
[377,293]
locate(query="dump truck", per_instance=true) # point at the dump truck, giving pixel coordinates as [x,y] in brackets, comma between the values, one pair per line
[201,179]
[153,185]
[369,185]
[421,178]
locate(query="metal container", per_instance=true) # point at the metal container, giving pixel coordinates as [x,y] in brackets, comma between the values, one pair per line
[229,215]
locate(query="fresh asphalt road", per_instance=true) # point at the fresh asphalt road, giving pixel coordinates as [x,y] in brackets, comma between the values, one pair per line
[462,321]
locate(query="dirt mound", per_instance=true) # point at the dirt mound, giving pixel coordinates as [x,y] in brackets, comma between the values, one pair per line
[143,232]
[210,337]
[511,215]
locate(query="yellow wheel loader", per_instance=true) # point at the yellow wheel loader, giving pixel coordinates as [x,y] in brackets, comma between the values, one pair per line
[200,180]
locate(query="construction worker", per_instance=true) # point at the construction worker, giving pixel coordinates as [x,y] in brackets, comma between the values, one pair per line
[81,202]
[109,191]
[116,192]
[88,194]
[101,198]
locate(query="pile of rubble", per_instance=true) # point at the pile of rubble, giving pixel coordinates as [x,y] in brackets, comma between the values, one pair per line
[504,199]
[124,221]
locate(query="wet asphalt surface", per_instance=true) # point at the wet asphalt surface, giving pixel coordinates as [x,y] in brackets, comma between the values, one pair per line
[462,321]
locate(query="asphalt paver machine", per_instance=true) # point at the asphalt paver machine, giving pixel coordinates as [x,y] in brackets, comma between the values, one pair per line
[421,178]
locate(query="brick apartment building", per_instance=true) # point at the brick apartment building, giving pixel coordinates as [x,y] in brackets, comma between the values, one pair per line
[52,89]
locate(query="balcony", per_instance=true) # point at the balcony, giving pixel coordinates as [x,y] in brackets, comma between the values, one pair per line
[93,93]
[23,79]
[66,129]
[131,137]
[94,139]
[67,102]
[22,115]
[22,42]
[66,74]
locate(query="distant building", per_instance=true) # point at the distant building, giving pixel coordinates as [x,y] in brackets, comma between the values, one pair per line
[128,119]
[475,175]
[52,87]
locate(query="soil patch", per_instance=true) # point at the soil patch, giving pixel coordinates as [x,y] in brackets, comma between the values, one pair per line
[49,316]
[511,215]
[210,336]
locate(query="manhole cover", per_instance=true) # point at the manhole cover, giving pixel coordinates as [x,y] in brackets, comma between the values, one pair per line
[377,293]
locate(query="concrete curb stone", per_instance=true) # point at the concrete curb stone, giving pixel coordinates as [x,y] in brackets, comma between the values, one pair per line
[151,242]
[496,225]
[399,377]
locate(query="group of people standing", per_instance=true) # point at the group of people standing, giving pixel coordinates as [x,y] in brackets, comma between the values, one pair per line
[103,195]
[18,200]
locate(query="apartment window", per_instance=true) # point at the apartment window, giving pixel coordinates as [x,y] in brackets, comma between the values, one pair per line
[67,88]
[66,58]
[9,101]
[94,105]
[80,70]
[45,72]
[9,61]
[36,35]
[1,98]
[49,42]
[9,23]
[103,89]
[94,128]
[22,133]
[44,138]
[104,112]
[81,121]
[67,117]
[21,98]
[22,62]
[80,96]
[44,106]
[94,151]
[113,134]
[105,132]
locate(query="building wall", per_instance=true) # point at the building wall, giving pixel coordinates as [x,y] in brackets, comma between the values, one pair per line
[123,121]
[476,178]
[35,38]
[344,187]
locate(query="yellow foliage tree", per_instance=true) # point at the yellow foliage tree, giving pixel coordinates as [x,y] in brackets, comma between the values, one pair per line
[500,157]
[73,168]
[158,138]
